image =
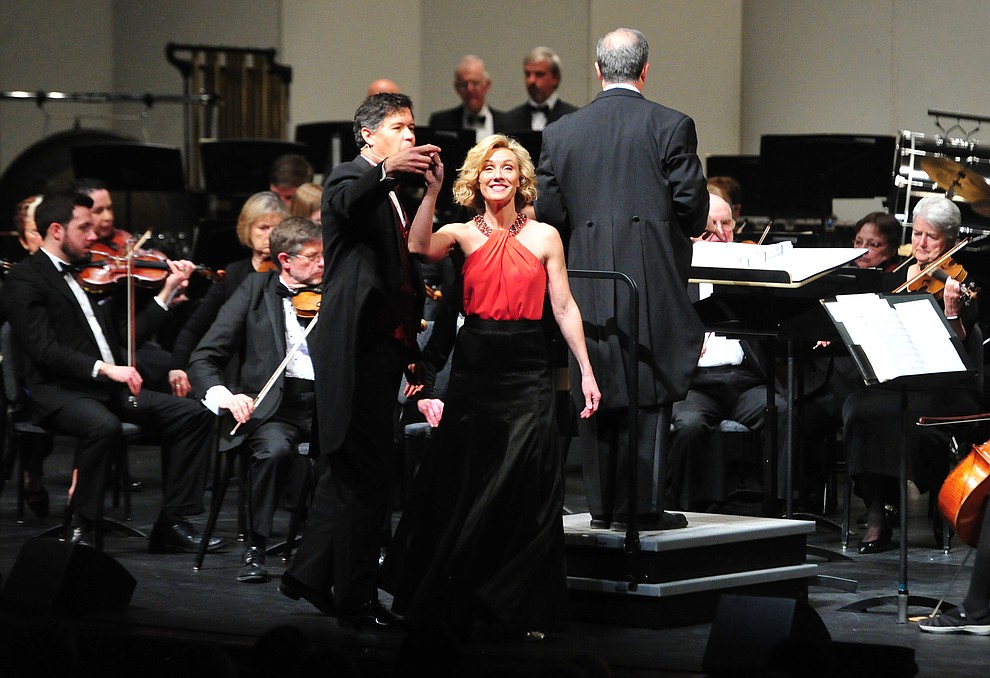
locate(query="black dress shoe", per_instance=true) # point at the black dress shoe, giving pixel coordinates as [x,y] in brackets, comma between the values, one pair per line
[253,570]
[295,589]
[84,536]
[371,616]
[37,501]
[880,544]
[135,484]
[600,523]
[652,521]
[179,537]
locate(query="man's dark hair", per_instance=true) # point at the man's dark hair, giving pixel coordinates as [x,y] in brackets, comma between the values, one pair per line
[290,236]
[57,209]
[290,169]
[375,109]
[622,60]
[87,185]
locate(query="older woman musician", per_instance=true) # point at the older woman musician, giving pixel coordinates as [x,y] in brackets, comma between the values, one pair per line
[872,416]
[480,545]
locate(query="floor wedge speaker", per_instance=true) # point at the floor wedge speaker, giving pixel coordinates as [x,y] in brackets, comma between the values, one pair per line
[50,575]
[753,634]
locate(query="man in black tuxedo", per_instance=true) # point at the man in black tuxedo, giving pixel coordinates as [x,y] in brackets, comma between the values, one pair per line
[80,384]
[259,325]
[621,178]
[471,82]
[371,315]
[541,68]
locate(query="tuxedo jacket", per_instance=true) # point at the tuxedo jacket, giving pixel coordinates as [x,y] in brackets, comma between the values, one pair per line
[452,118]
[363,275]
[520,118]
[251,326]
[57,345]
[622,181]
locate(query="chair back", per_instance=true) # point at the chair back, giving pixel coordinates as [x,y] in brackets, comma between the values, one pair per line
[13,389]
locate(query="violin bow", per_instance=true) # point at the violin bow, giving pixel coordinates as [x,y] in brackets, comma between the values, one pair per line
[131,310]
[931,267]
[278,370]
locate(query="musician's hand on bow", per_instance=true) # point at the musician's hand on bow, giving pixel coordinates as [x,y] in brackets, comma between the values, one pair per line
[123,374]
[240,406]
[179,381]
[952,297]
[432,409]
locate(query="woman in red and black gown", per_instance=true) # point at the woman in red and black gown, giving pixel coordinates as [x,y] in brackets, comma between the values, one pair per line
[480,545]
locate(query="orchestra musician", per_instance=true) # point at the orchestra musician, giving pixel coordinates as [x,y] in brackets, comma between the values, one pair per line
[107,234]
[872,416]
[81,384]
[880,234]
[260,213]
[258,325]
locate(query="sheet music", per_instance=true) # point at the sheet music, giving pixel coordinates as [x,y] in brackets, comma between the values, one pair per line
[898,339]
[782,261]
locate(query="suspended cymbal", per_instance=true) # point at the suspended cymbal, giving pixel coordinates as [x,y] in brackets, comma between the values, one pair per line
[955,179]
[982,208]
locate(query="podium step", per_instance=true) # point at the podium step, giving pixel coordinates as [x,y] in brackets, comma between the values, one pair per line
[676,577]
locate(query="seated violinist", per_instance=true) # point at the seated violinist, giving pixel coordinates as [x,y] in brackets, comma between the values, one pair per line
[107,234]
[260,213]
[880,233]
[871,417]
[81,384]
[259,326]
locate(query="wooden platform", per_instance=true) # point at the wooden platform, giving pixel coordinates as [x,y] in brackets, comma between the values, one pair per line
[676,576]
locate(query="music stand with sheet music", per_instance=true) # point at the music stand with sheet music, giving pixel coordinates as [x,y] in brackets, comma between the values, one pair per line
[454,146]
[130,166]
[858,319]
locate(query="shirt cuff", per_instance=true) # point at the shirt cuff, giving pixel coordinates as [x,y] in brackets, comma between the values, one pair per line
[213,397]
[96,369]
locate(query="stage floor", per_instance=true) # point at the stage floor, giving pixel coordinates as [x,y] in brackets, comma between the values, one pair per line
[175,607]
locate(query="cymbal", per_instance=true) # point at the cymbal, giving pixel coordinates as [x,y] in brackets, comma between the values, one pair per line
[953,177]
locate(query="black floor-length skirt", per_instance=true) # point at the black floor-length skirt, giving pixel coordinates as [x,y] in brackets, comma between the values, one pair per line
[480,545]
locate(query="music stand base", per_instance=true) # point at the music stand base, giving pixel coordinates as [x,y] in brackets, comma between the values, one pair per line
[901,601]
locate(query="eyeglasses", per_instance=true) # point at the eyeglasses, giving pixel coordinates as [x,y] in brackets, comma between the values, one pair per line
[874,244]
[311,258]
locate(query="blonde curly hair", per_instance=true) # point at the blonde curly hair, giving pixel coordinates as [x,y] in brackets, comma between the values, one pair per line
[467,188]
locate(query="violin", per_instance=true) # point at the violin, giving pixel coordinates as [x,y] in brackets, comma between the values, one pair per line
[933,282]
[932,278]
[306,303]
[963,497]
[150,269]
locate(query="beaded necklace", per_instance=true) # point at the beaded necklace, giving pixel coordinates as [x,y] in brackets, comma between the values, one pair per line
[479,221]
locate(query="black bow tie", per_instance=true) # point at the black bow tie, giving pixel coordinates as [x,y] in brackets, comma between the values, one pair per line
[542,108]
[283,291]
[72,269]
[476,119]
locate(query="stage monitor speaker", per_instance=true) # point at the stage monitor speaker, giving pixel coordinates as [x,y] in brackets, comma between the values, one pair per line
[50,575]
[753,634]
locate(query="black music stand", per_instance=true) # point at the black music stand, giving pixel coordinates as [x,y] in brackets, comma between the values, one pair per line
[328,143]
[130,166]
[865,363]
[803,173]
[532,141]
[241,166]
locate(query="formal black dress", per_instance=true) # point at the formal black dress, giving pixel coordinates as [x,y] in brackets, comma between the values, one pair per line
[480,546]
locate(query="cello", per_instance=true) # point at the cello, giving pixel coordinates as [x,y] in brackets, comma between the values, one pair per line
[963,497]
